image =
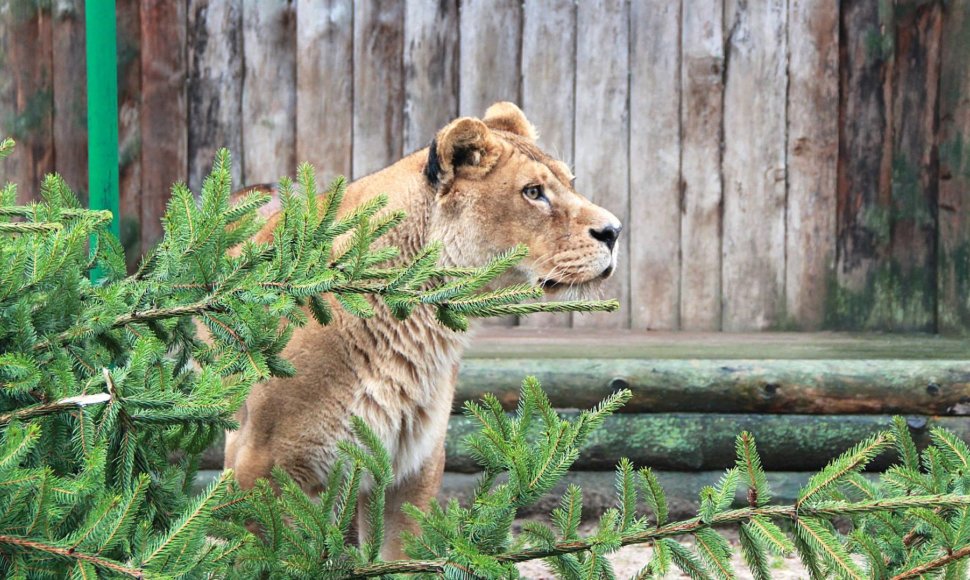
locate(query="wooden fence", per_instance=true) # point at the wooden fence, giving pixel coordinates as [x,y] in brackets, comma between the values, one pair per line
[792,164]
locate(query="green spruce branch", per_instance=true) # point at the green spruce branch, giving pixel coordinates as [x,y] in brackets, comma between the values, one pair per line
[534,447]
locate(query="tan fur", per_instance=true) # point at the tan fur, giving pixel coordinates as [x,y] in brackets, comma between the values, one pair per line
[400,376]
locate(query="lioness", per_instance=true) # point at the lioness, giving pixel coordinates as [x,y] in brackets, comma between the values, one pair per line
[481,187]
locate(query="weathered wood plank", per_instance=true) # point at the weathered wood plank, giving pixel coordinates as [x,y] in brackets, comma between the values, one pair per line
[697,441]
[269,90]
[490,59]
[954,203]
[727,385]
[813,146]
[378,85]
[164,134]
[655,164]
[522,343]
[324,86]
[430,69]
[70,95]
[603,133]
[753,268]
[491,34]
[28,64]
[862,297]
[129,130]
[915,164]
[701,114]
[215,61]
[548,92]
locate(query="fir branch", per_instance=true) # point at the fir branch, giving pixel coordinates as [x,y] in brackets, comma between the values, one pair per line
[826,510]
[68,404]
[68,553]
[29,227]
[934,564]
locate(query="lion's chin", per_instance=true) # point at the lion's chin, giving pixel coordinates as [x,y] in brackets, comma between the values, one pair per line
[572,290]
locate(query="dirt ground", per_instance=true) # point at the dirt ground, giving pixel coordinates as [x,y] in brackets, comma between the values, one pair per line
[630,559]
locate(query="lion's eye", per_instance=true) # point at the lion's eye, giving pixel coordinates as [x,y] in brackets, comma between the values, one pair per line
[533,192]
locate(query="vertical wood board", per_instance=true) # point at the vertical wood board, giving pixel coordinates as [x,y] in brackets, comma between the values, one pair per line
[70,95]
[491,35]
[430,69]
[129,130]
[915,165]
[269,90]
[813,141]
[28,62]
[378,85]
[548,92]
[954,195]
[863,292]
[603,134]
[324,86]
[215,88]
[702,91]
[655,144]
[753,269]
[163,143]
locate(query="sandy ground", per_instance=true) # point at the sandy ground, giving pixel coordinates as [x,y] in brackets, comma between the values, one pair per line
[630,559]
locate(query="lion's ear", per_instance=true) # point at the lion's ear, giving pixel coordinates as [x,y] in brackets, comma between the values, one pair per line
[464,146]
[506,116]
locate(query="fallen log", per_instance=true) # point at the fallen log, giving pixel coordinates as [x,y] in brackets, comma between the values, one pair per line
[696,441]
[825,386]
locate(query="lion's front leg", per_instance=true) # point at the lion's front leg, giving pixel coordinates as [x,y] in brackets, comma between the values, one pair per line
[418,489]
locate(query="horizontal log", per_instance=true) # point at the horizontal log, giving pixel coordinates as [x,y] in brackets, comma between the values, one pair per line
[532,343]
[730,386]
[694,441]
[682,490]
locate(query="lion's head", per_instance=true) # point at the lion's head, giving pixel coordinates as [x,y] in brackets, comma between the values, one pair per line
[494,188]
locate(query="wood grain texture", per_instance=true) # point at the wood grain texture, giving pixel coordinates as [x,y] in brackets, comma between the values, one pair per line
[753,268]
[915,164]
[163,143]
[28,64]
[655,146]
[813,142]
[70,95]
[548,93]
[786,386]
[430,69]
[324,86]
[378,85]
[490,65]
[269,90]
[491,34]
[692,441]
[129,130]
[863,292]
[603,134]
[954,203]
[215,61]
[701,112]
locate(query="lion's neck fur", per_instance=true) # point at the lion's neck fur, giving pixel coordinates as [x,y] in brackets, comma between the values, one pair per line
[406,369]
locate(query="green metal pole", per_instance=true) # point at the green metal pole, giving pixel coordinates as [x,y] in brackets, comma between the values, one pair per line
[102,68]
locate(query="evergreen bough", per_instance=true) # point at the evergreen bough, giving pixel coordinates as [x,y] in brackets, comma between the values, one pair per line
[107,399]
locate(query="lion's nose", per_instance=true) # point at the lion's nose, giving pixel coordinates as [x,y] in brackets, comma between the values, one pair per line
[607,235]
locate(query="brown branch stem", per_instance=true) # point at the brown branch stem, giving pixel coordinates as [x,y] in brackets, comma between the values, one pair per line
[25,543]
[934,564]
[790,512]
